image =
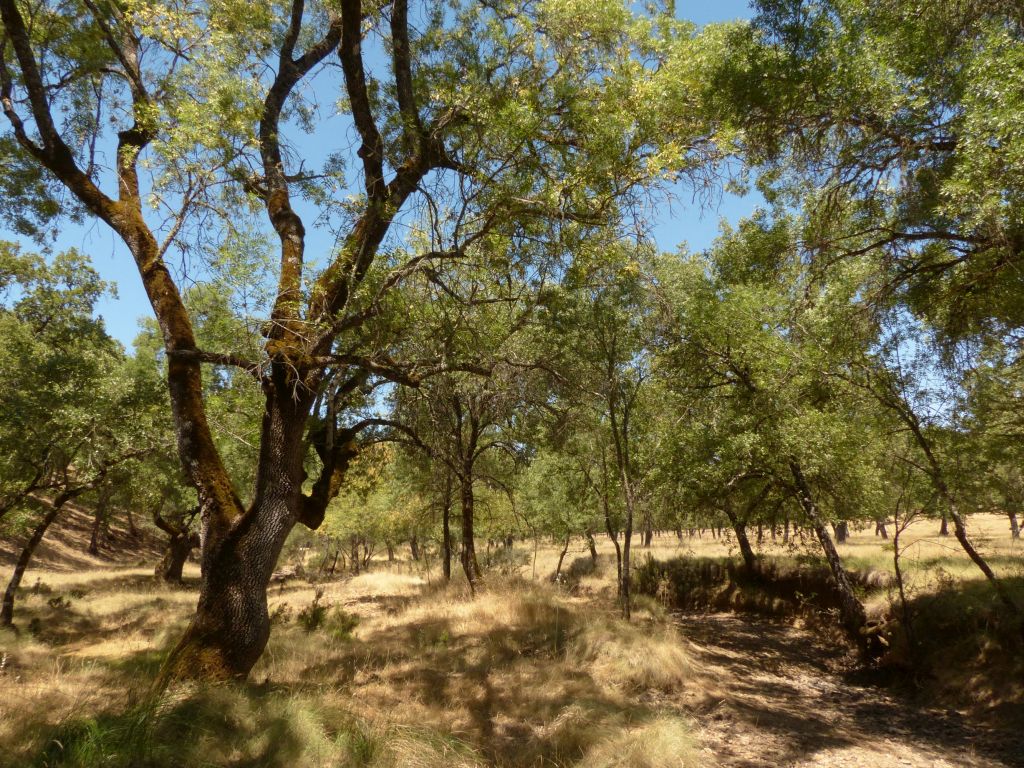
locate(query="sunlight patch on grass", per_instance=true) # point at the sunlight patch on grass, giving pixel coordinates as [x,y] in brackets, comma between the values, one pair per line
[666,742]
[633,657]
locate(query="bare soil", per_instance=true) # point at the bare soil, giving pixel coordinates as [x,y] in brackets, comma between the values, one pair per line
[775,695]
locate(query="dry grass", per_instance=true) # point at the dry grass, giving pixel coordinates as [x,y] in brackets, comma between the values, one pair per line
[522,675]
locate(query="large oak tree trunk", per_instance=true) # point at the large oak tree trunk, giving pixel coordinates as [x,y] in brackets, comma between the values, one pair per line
[231,625]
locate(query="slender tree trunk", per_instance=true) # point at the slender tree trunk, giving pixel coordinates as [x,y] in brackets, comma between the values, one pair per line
[7,610]
[1014,525]
[561,558]
[446,530]
[905,610]
[749,559]
[391,551]
[468,555]
[353,554]
[613,535]
[414,547]
[133,531]
[851,609]
[944,525]
[97,521]
[938,479]
[593,546]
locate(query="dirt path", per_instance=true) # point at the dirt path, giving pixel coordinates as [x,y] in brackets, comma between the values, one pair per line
[778,697]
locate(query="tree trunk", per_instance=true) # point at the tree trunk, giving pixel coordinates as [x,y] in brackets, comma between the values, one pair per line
[854,616]
[842,531]
[880,529]
[133,531]
[593,546]
[1014,525]
[749,559]
[613,535]
[561,558]
[468,555]
[414,547]
[97,521]
[944,526]
[446,531]
[7,611]
[179,548]
[391,551]
[231,626]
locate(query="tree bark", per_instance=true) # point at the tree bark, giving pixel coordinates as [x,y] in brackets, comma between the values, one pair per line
[561,558]
[414,547]
[231,625]
[854,616]
[842,531]
[446,531]
[468,555]
[739,526]
[179,548]
[99,517]
[7,610]
[592,545]
[1014,525]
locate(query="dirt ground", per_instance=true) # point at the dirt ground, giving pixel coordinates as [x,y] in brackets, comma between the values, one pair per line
[774,695]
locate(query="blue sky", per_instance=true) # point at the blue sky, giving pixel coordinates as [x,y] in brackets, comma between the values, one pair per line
[683,220]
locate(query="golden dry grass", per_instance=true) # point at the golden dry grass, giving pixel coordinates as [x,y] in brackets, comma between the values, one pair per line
[521,675]
[524,674]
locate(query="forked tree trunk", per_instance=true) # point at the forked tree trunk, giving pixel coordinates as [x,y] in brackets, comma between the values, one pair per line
[231,626]
[7,610]
[854,617]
